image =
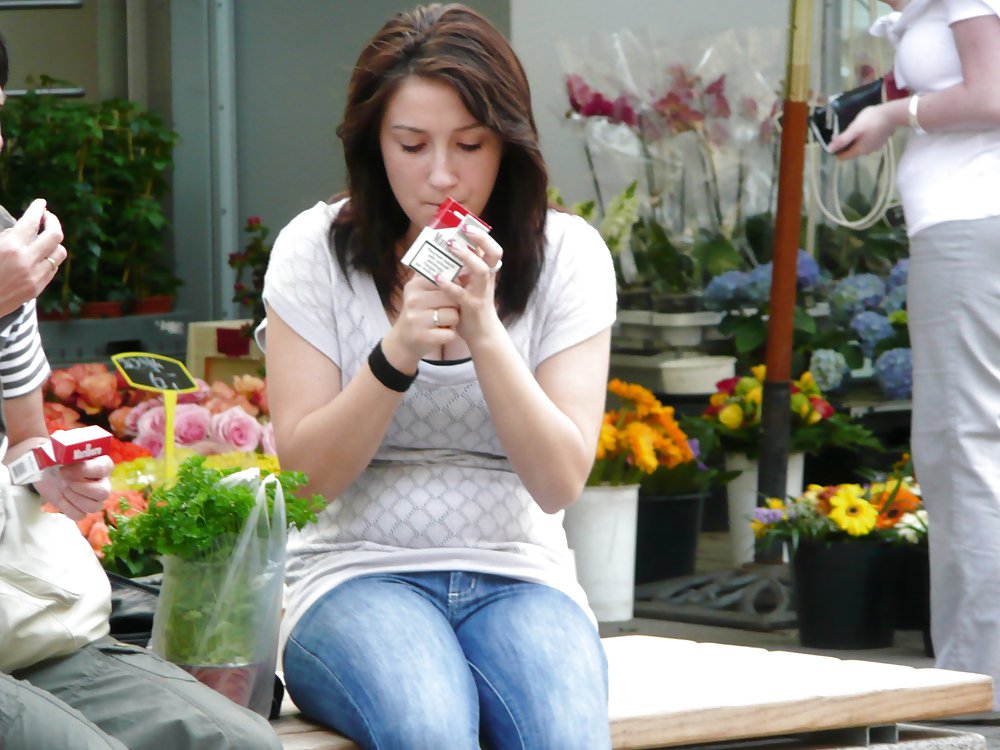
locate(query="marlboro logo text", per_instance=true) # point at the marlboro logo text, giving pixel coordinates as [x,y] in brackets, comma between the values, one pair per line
[87,451]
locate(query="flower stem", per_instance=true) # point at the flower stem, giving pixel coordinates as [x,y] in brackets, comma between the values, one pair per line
[593,177]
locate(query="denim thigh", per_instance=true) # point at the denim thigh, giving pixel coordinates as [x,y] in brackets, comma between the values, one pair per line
[422,660]
[377,660]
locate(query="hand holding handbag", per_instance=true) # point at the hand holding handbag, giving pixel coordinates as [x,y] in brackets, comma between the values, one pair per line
[827,122]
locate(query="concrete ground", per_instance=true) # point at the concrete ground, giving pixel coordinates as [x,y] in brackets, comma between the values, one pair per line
[907,648]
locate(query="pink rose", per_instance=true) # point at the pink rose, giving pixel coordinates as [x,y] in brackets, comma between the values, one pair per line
[191,424]
[267,439]
[151,419]
[236,427]
[151,441]
[194,397]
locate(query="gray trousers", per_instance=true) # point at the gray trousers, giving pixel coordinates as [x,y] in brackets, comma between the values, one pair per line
[953,301]
[111,695]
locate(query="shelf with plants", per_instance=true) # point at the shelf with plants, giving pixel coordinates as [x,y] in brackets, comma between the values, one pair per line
[104,168]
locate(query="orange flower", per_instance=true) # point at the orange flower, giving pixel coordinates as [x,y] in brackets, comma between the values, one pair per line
[99,537]
[60,417]
[62,384]
[891,509]
[116,420]
[99,391]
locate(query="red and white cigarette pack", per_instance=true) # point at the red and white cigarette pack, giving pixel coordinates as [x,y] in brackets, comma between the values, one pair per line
[429,254]
[64,447]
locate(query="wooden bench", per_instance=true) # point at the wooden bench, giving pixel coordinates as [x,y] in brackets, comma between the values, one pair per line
[667,691]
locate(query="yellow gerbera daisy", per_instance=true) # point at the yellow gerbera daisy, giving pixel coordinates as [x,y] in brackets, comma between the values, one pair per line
[851,512]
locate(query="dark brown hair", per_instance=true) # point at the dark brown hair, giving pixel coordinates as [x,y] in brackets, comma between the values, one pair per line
[4,63]
[455,45]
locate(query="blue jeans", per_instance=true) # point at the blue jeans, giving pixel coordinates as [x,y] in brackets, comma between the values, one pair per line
[428,661]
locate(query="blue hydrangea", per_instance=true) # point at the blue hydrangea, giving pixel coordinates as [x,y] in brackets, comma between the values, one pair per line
[758,285]
[894,372]
[871,328]
[828,368]
[807,271]
[856,294]
[895,300]
[899,274]
[725,291]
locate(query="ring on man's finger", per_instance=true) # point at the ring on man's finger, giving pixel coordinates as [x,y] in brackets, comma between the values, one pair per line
[497,266]
[55,266]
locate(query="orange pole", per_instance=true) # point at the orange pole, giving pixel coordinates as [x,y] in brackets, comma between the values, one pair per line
[776,407]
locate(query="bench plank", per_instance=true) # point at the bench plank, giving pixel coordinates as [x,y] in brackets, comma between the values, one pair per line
[668,691]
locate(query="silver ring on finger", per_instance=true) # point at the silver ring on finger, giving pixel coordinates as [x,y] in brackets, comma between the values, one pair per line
[497,266]
[436,319]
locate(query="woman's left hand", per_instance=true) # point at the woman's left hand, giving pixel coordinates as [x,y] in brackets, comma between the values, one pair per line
[474,287]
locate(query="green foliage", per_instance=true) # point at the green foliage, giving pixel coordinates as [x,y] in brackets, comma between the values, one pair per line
[196,518]
[103,167]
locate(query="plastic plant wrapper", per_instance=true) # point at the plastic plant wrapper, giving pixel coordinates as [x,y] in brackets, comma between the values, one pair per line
[691,122]
[218,615]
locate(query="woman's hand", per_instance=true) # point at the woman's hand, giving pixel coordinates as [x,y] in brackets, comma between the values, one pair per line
[472,292]
[426,321]
[872,127]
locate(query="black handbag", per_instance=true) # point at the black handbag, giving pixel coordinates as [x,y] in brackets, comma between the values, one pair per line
[827,122]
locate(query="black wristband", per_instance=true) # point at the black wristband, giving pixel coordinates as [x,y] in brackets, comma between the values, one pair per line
[386,374]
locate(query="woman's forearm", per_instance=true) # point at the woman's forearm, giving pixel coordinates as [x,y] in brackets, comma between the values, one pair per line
[548,425]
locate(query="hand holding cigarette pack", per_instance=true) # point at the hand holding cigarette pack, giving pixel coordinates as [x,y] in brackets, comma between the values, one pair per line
[64,447]
[429,254]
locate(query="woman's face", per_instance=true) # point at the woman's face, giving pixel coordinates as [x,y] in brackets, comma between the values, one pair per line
[433,149]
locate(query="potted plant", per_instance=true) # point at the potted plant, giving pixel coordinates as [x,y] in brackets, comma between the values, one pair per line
[845,565]
[732,421]
[635,439]
[221,543]
[671,503]
[103,167]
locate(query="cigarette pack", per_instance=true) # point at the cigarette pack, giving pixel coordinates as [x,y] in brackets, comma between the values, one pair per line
[429,254]
[64,447]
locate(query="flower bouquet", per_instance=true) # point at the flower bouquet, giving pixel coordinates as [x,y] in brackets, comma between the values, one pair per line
[850,572]
[888,510]
[638,438]
[734,415]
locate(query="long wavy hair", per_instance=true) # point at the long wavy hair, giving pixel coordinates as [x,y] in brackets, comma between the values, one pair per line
[455,45]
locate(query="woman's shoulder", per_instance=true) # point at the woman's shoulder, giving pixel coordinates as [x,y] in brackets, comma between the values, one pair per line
[569,235]
[313,221]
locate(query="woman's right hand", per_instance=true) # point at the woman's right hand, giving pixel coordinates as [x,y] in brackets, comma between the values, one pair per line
[425,323]
[869,131]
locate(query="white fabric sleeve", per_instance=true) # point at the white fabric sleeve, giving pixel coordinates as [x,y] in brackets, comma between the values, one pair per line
[301,280]
[959,10]
[581,298]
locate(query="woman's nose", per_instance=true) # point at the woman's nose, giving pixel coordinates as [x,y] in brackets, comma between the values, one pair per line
[442,172]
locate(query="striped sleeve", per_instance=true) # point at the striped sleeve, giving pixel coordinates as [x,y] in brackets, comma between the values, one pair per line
[23,366]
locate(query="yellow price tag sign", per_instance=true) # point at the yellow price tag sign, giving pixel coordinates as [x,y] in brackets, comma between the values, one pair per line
[165,375]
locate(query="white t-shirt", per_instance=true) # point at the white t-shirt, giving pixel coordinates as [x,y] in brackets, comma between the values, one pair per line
[440,493]
[943,176]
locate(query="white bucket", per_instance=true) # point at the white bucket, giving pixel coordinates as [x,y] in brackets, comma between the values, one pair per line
[742,499]
[695,375]
[600,529]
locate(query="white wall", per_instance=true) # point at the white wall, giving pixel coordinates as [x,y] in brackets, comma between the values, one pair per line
[537,27]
